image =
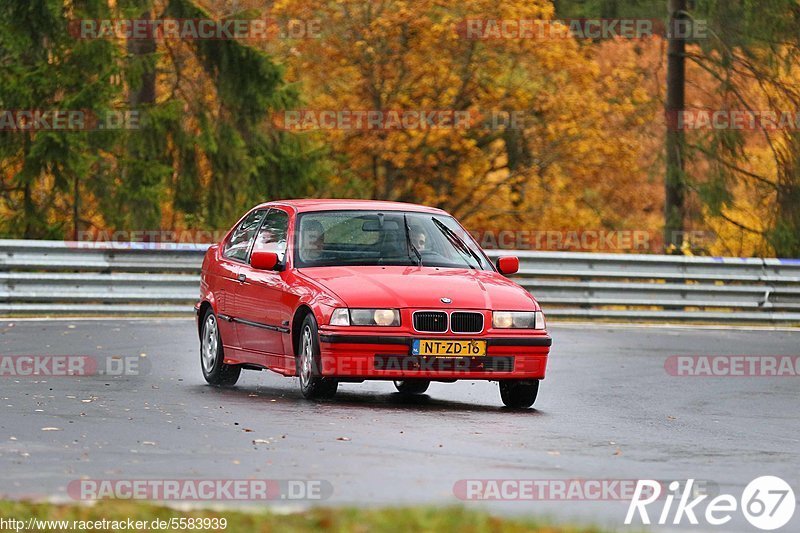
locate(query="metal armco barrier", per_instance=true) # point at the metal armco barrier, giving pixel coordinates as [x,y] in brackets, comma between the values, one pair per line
[62,278]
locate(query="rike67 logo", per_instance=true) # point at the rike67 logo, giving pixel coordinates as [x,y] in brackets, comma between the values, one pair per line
[767,502]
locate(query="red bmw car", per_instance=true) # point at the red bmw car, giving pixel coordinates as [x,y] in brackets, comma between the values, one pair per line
[350,290]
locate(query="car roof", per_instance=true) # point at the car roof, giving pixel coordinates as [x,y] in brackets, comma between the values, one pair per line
[332,204]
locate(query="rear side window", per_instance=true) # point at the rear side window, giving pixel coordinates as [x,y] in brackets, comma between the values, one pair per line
[272,236]
[242,237]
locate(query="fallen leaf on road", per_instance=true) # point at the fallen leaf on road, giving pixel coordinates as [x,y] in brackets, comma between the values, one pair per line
[343,438]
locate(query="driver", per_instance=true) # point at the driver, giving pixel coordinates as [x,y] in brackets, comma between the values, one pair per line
[312,240]
[419,238]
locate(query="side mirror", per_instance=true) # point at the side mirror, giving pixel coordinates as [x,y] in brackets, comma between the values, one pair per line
[263,260]
[508,265]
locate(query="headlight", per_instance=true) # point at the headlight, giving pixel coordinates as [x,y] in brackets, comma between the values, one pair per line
[518,320]
[365,317]
[386,317]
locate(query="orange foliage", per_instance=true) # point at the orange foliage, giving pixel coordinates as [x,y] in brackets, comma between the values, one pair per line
[577,160]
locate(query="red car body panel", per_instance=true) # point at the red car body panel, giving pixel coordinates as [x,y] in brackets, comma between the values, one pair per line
[258,311]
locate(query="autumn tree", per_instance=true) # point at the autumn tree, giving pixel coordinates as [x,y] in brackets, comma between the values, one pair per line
[44,67]
[753,184]
[203,151]
[569,162]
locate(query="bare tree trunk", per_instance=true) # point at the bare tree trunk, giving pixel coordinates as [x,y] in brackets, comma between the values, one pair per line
[139,209]
[146,92]
[674,209]
[784,236]
[30,211]
[76,208]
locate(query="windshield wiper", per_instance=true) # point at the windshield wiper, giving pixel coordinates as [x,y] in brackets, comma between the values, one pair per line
[457,241]
[410,244]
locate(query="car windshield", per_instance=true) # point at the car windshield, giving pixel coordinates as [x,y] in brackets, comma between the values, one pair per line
[360,238]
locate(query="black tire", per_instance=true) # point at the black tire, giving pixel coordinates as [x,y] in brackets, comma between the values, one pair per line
[212,355]
[519,394]
[412,386]
[312,385]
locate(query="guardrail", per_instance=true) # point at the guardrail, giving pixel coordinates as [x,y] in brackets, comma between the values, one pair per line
[63,278]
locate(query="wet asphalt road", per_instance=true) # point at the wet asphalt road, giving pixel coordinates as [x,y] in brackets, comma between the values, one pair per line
[608,410]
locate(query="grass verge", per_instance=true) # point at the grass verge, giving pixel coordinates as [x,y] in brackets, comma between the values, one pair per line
[455,519]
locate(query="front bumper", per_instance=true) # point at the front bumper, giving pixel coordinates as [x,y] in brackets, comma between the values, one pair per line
[389,357]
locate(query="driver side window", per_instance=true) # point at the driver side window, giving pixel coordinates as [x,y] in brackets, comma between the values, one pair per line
[272,237]
[238,245]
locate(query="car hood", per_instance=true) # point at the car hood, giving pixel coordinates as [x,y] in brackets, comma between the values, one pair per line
[421,287]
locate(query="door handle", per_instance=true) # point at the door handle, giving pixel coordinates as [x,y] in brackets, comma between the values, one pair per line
[241,278]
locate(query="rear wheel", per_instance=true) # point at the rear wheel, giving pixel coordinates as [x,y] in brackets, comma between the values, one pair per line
[412,386]
[519,394]
[312,384]
[212,356]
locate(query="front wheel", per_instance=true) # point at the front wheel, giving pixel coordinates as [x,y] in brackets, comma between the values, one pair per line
[212,356]
[312,384]
[412,386]
[519,394]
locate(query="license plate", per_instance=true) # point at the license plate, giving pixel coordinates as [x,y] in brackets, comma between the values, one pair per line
[442,348]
